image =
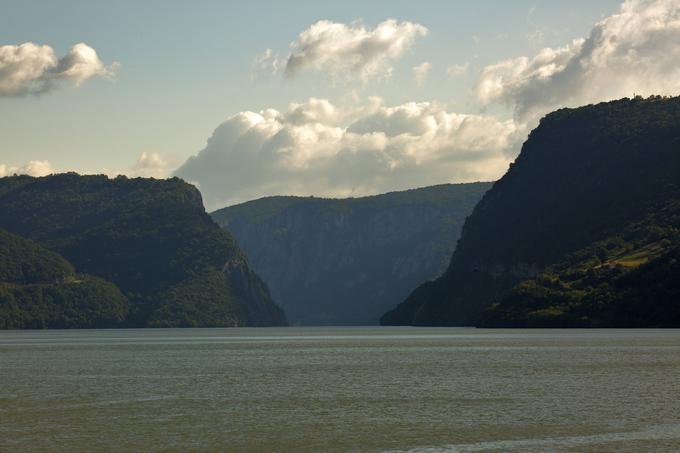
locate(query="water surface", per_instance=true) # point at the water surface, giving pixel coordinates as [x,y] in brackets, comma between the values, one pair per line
[340,389]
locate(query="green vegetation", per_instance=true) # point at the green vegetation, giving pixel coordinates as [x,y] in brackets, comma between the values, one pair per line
[23,261]
[268,208]
[631,279]
[85,302]
[151,238]
[39,289]
[197,302]
[584,177]
[345,261]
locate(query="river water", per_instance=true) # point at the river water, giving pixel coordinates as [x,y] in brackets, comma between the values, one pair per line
[340,389]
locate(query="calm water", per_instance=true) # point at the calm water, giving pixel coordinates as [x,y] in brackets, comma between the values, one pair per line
[340,389]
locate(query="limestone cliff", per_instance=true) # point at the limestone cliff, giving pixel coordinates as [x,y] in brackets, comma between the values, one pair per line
[345,261]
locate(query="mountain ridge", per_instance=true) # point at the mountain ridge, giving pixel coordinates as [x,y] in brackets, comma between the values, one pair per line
[581,176]
[152,238]
[344,261]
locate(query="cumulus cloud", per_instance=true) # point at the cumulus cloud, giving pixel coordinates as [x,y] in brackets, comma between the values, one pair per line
[636,51]
[420,72]
[32,168]
[151,165]
[342,50]
[148,165]
[322,149]
[33,69]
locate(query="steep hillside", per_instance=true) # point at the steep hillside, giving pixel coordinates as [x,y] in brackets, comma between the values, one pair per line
[345,261]
[39,289]
[24,262]
[583,175]
[152,238]
[631,279]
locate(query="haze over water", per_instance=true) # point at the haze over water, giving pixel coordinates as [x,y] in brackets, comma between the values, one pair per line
[340,389]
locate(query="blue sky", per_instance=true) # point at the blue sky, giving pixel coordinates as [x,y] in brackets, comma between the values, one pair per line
[186,67]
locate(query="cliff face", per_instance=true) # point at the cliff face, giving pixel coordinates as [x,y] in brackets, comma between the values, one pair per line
[582,175]
[346,261]
[151,238]
[246,285]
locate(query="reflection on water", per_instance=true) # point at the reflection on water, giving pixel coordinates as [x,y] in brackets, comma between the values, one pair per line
[339,389]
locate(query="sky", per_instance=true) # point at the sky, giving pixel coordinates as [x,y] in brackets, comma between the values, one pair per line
[348,98]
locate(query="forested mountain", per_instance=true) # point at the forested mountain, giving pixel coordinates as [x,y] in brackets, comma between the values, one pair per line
[151,238]
[584,178]
[631,279]
[346,261]
[39,289]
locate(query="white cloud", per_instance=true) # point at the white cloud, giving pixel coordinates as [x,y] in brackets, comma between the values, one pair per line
[343,51]
[322,149]
[636,50]
[32,168]
[458,70]
[420,72]
[147,165]
[82,63]
[151,165]
[32,69]
[266,64]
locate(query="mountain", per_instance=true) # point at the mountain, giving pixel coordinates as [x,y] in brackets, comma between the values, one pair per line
[631,279]
[583,175]
[39,289]
[151,238]
[345,261]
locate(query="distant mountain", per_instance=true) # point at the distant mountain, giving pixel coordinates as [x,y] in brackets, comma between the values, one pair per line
[584,178]
[39,289]
[346,261]
[151,238]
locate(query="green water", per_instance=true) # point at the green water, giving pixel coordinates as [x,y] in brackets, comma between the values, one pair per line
[340,389]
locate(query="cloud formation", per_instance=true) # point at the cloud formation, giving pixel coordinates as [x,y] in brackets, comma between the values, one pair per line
[34,69]
[151,165]
[322,149]
[343,51]
[420,72]
[266,64]
[636,51]
[148,165]
[32,168]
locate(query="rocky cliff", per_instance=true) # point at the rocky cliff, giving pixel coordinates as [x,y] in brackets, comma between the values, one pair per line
[345,261]
[582,176]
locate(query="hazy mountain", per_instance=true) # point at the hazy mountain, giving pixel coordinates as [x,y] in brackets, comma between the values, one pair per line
[151,238]
[346,261]
[584,175]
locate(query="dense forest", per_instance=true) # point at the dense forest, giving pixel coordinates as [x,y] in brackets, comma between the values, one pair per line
[631,279]
[151,238]
[345,261]
[40,289]
[599,181]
